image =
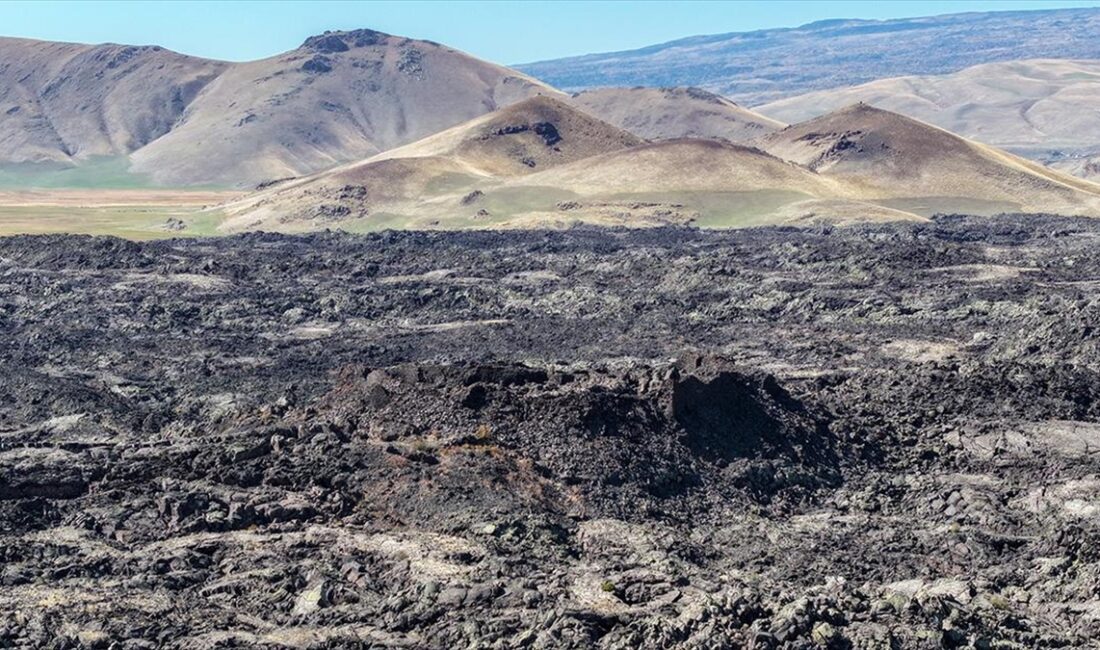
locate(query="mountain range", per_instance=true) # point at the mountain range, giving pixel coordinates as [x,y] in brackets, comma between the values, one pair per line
[761,66]
[63,102]
[339,97]
[365,130]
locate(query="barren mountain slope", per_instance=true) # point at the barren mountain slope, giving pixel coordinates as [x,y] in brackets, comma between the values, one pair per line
[660,113]
[523,138]
[857,164]
[1025,106]
[543,163]
[340,97]
[894,157]
[64,102]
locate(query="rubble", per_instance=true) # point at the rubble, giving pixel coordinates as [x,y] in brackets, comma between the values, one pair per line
[768,438]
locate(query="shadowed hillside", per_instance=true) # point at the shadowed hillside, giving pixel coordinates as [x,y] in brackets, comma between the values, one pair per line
[64,103]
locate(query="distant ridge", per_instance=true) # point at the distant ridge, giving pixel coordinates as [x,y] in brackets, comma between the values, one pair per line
[663,113]
[766,65]
[1044,109]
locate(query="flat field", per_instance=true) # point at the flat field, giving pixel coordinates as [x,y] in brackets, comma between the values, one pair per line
[138,214]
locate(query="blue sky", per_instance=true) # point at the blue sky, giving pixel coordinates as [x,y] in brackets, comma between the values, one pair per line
[501,31]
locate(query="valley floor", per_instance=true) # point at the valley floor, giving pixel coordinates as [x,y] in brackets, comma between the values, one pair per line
[882,436]
[131,213]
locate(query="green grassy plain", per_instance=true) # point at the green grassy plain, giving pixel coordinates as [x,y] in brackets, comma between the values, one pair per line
[102,197]
[106,173]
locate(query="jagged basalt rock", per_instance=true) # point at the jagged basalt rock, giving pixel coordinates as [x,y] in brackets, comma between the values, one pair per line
[328,43]
[879,436]
[411,62]
[545,130]
[318,64]
[548,132]
[630,444]
[334,42]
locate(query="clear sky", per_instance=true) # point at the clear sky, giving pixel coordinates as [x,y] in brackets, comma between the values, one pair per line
[501,31]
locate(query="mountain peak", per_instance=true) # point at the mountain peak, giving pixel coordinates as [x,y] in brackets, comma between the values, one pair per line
[862,107]
[341,41]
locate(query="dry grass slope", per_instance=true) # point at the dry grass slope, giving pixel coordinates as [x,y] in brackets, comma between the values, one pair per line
[706,182]
[681,165]
[441,174]
[889,156]
[1021,105]
[544,163]
[669,113]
